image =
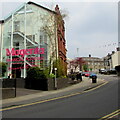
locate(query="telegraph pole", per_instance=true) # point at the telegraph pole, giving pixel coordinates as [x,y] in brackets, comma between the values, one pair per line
[77,52]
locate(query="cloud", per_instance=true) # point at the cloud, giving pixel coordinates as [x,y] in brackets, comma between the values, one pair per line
[91,25]
[8,8]
[95,44]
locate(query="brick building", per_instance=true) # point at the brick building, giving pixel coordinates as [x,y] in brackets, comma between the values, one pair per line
[61,39]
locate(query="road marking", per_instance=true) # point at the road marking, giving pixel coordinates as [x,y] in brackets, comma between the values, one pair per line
[47,100]
[96,87]
[24,105]
[111,115]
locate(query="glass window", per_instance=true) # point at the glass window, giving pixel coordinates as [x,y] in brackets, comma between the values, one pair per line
[17,25]
[43,38]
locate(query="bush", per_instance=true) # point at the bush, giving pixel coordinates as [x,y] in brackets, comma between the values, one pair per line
[60,69]
[85,67]
[73,76]
[51,76]
[36,79]
[3,68]
[35,73]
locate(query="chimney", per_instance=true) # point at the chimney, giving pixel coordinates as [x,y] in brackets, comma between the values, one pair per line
[109,54]
[89,55]
[113,52]
[118,48]
[57,9]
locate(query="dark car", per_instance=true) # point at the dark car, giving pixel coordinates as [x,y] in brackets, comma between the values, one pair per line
[102,71]
[83,73]
[113,71]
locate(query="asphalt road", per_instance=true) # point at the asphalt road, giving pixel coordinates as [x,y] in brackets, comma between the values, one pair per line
[93,104]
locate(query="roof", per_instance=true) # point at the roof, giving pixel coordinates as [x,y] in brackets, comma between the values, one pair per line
[91,57]
[41,7]
[30,3]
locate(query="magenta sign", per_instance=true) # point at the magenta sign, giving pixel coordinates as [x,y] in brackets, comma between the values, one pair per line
[24,52]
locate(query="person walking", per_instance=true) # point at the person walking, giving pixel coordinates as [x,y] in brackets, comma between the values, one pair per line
[79,76]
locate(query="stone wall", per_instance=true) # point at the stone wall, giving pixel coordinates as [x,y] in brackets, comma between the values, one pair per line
[8,93]
[8,83]
[62,82]
[51,84]
[20,82]
[8,88]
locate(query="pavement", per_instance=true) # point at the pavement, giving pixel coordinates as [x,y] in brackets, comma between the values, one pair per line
[29,96]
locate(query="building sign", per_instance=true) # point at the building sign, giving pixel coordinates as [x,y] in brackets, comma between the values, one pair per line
[24,52]
[18,57]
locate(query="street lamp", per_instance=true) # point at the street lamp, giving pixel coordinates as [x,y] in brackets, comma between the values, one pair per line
[55,79]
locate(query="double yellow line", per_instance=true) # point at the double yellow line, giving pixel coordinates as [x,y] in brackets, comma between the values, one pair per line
[111,115]
[43,101]
[47,100]
[91,89]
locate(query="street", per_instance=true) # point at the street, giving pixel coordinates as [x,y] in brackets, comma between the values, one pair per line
[93,104]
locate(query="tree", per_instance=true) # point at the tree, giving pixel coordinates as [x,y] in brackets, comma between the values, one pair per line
[3,69]
[77,63]
[50,26]
[85,67]
[60,69]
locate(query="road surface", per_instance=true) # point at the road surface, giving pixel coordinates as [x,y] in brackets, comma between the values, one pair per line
[93,104]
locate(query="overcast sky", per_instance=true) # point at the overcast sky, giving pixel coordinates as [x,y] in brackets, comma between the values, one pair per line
[91,27]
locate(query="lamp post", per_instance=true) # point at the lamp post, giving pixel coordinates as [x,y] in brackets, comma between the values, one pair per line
[55,79]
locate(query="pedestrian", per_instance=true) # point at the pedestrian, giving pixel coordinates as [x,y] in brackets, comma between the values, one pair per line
[80,76]
[77,76]
[73,76]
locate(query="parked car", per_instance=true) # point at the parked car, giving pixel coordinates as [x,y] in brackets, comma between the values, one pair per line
[83,73]
[107,71]
[113,71]
[87,74]
[102,71]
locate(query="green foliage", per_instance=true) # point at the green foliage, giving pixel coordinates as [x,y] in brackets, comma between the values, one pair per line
[3,69]
[46,72]
[73,76]
[64,76]
[60,69]
[51,76]
[85,67]
[36,73]
[90,69]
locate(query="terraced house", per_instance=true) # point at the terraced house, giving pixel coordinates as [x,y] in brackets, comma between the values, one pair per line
[31,36]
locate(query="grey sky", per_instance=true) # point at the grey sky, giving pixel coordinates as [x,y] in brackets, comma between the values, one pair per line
[91,26]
